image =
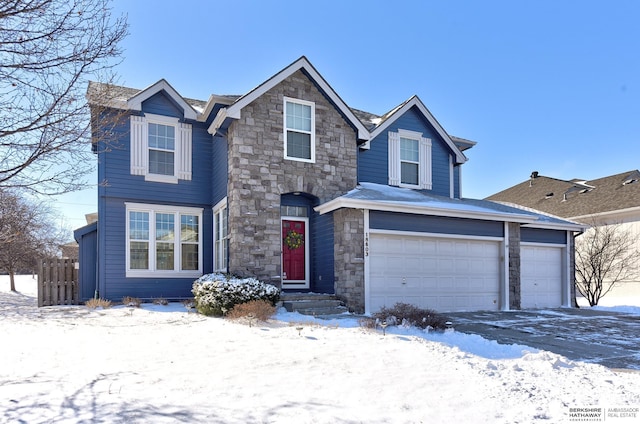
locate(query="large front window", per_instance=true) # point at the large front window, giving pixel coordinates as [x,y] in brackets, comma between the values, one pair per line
[299,130]
[163,241]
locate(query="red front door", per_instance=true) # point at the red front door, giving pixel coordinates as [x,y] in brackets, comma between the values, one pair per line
[294,248]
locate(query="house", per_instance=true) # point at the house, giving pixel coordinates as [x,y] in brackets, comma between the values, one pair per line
[614,199]
[289,184]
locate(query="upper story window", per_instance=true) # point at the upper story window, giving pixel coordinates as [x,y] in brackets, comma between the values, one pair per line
[299,130]
[160,148]
[409,160]
[163,241]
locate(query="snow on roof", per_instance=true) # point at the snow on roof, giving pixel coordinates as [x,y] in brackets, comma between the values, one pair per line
[382,197]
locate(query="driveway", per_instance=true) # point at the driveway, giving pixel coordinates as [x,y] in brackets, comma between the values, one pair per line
[611,339]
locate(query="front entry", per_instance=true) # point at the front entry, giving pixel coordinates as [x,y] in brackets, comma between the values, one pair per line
[295,253]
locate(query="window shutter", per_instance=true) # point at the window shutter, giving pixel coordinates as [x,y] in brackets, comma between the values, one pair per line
[425,163]
[139,140]
[394,158]
[183,152]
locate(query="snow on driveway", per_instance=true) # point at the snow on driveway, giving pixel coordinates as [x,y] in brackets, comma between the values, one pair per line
[163,364]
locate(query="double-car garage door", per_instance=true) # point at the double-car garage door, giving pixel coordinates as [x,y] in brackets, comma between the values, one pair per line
[444,274]
[456,274]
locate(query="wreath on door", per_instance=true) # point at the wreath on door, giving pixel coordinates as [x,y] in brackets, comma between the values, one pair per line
[293,240]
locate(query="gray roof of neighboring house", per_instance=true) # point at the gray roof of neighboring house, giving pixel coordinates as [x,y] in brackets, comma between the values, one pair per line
[575,198]
[119,95]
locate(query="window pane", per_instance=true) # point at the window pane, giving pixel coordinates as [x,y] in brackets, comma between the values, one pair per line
[138,225]
[409,149]
[139,255]
[164,256]
[189,257]
[298,116]
[409,173]
[161,162]
[298,145]
[189,228]
[162,136]
[165,227]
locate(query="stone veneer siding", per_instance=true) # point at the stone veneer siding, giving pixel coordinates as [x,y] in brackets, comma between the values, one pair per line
[259,174]
[514,266]
[348,227]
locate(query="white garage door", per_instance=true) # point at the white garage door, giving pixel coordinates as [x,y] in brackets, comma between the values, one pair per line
[443,274]
[541,277]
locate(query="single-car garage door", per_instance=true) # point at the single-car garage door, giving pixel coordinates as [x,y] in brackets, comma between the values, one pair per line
[444,274]
[541,277]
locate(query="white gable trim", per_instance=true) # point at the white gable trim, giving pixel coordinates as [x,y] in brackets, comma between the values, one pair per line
[234,111]
[135,102]
[415,101]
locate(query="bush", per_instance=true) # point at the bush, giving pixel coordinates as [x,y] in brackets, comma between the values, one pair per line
[258,309]
[406,314]
[98,303]
[160,301]
[131,301]
[217,294]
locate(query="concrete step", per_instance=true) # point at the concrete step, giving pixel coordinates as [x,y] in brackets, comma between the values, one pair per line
[312,304]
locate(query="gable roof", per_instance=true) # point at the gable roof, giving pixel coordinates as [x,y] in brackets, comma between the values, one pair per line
[120,97]
[388,118]
[234,111]
[575,198]
[395,199]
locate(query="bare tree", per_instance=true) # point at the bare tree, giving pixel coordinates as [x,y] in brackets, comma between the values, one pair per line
[27,233]
[606,255]
[49,49]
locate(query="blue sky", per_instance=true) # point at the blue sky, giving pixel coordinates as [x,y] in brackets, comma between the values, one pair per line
[551,86]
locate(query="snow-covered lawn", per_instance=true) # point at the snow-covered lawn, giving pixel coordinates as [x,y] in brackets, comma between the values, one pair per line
[164,364]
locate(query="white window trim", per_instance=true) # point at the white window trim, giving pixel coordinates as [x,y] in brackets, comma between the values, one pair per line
[221,206]
[312,133]
[151,272]
[182,159]
[424,165]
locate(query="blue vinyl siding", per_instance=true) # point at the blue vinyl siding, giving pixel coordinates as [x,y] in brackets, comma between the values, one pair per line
[373,164]
[456,182]
[161,104]
[87,238]
[323,275]
[434,224]
[220,168]
[120,187]
[540,235]
[117,284]
[116,171]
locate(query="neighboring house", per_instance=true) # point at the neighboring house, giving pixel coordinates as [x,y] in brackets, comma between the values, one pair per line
[614,199]
[290,185]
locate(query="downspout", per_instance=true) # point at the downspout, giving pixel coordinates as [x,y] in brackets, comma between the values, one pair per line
[96,293]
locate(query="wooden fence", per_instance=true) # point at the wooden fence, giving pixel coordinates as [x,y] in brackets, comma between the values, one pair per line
[58,282]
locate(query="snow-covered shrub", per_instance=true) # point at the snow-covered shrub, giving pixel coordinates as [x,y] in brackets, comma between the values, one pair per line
[217,294]
[409,315]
